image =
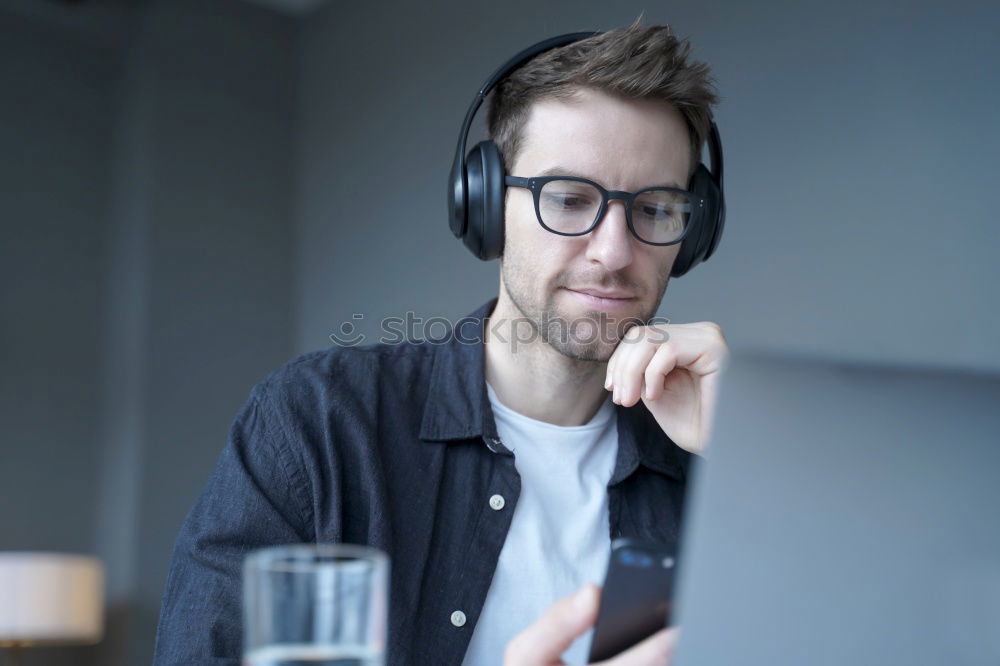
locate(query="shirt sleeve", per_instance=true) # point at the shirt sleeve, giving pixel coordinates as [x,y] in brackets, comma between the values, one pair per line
[256,496]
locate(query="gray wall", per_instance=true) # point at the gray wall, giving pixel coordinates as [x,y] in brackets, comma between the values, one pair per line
[147,174]
[56,123]
[859,139]
[56,116]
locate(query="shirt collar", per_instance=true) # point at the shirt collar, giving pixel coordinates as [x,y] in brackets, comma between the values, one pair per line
[458,406]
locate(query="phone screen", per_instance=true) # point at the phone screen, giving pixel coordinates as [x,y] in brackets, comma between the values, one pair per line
[636,598]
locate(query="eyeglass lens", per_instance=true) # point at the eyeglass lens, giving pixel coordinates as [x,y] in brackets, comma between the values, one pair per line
[571,207]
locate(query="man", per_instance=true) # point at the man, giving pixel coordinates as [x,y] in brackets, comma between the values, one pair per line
[495,467]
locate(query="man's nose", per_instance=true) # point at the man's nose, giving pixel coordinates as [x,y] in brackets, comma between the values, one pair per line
[611,243]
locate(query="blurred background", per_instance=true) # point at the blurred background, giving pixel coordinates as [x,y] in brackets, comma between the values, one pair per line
[193,192]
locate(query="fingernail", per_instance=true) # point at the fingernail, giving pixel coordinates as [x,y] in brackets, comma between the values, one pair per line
[607,382]
[582,598]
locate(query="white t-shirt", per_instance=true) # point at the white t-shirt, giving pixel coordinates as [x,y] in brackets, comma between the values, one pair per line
[559,533]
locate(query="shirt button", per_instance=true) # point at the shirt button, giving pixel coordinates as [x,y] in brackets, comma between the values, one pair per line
[496,502]
[458,618]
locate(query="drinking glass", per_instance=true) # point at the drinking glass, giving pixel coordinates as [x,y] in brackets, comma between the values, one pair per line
[315,604]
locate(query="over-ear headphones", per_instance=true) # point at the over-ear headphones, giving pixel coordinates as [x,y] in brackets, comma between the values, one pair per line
[476,186]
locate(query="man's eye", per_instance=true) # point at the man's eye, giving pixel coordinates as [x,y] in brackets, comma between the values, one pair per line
[566,201]
[655,211]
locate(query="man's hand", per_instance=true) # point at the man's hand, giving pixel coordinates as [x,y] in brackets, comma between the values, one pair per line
[674,369]
[543,643]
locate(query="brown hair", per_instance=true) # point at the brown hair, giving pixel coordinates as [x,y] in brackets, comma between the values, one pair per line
[637,62]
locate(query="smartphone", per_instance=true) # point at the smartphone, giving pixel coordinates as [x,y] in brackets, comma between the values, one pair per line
[637,595]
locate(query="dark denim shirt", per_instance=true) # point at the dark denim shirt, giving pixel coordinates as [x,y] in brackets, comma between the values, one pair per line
[395,446]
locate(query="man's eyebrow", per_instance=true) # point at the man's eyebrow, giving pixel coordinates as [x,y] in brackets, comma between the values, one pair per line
[563,171]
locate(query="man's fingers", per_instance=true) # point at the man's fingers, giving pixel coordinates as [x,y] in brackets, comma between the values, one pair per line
[656,650]
[699,347]
[662,362]
[543,643]
[628,375]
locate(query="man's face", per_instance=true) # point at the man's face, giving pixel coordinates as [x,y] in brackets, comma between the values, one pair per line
[622,145]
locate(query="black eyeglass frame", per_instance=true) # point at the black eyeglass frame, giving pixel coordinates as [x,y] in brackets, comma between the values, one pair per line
[536,184]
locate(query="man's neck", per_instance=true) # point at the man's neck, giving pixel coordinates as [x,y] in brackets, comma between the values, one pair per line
[534,379]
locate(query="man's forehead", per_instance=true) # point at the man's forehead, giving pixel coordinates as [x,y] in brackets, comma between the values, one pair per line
[618,143]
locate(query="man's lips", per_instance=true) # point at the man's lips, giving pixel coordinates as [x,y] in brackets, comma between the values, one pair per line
[605,293]
[603,299]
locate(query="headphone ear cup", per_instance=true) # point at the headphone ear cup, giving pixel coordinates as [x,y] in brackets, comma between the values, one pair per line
[718,208]
[703,237]
[485,189]
[456,200]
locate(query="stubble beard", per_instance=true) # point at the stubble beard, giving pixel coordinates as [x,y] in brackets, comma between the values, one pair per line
[589,336]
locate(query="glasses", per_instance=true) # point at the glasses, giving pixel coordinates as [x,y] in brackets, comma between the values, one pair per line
[573,206]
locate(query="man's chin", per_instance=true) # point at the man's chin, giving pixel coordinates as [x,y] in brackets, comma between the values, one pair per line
[610,325]
[585,335]
[597,352]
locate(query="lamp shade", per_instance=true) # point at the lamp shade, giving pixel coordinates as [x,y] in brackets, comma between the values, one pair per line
[51,598]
